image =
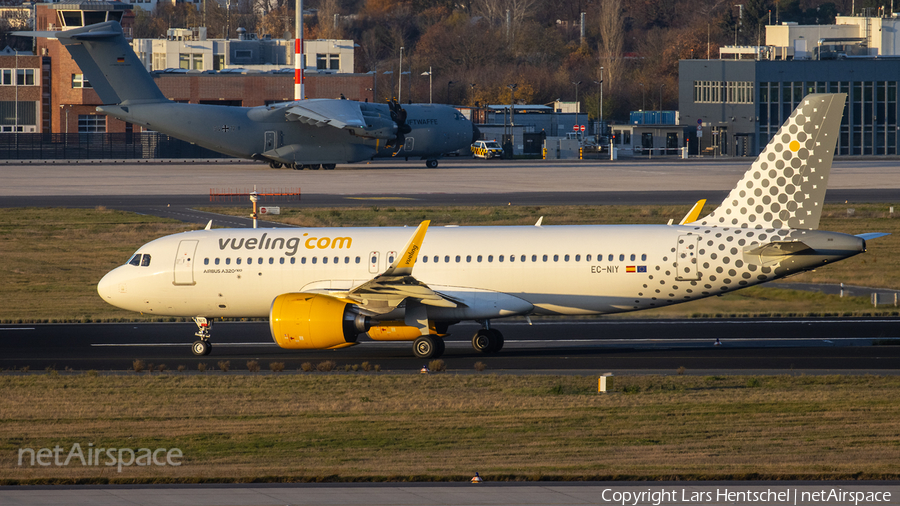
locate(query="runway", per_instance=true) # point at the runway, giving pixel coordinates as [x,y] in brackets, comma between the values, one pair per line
[748,346]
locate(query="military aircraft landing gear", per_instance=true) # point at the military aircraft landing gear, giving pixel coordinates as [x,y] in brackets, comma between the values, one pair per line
[487,340]
[430,346]
[329,166]
[298,166]
[202,346]
[431,164]
[275,165]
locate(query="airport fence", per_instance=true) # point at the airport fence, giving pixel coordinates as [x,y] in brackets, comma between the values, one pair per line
[98,146]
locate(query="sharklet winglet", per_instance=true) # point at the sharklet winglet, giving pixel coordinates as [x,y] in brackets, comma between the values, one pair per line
[404,262]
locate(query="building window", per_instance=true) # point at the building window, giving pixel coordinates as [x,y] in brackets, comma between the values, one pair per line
[78,81]
[334,62]
[731,92]
[159,61]
[89,123]
[328,61]
[25,77]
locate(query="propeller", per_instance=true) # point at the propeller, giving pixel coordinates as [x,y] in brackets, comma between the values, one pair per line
[398,115]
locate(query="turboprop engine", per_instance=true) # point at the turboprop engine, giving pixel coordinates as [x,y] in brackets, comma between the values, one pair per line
[315,321]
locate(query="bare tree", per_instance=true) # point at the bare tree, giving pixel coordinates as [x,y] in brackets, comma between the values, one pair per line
[612,33]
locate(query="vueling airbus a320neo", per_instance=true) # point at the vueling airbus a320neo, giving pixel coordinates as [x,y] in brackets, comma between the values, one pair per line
[323,287]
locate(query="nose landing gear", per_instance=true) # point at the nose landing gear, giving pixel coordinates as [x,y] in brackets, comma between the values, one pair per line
[202,346]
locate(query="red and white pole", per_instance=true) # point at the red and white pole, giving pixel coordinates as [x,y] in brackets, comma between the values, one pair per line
[299,64]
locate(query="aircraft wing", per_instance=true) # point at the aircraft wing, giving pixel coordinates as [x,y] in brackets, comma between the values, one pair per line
[322,112]
[395,285]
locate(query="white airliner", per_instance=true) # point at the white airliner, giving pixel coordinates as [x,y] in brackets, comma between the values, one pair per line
[322,287]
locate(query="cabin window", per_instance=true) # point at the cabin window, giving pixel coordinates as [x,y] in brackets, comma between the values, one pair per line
[271,260]
[468,258]
[512,258]
[425,259]
[436,259]
[534,258]
[556,258]
[566,258]
[217,261]
[633,258]
[346,260]
[314,259]
[577,258]
[545,258]
[293,260]
[479,258]
[621,258]
[610,258]
[457,259]
[228,261]
[238,260]
[500,258]
[259,260]
[644,257]
[357,259]
[205,261]
[587,258]
[302,260]
[281,260]
[324,260]
[490,258]
[447,258]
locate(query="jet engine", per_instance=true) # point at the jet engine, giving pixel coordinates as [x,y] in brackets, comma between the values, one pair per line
[315,321]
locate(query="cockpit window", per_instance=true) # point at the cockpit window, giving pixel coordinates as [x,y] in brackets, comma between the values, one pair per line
[140,260]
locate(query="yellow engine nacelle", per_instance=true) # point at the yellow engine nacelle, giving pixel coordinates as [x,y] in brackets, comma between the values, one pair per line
[398,331]
[315,322]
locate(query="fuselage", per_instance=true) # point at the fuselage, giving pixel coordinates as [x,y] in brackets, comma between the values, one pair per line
[494,271]
[264,133]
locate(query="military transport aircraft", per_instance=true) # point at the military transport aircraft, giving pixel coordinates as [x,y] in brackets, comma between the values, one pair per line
[322,287]
[298,134]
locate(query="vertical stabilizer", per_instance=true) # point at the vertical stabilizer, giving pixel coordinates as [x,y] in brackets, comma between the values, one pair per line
[109,63]
[785,186]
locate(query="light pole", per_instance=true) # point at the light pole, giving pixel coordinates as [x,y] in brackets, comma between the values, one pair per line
[642,97]
[449,83]
[400,79]
[512,112]
[576,101]
[430,88]
[600,107]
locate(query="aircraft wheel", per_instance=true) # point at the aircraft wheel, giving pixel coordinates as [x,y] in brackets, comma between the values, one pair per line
[297,166]
[201,347]
[428,347]
[329,166]
[275,165]
[431,164]
[312,167]
[497,344]
[482,340]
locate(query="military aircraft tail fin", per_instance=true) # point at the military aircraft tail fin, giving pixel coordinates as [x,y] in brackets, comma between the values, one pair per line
[108,62]
[785,186]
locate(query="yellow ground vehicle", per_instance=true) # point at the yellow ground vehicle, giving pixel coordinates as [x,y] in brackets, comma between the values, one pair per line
[486,149]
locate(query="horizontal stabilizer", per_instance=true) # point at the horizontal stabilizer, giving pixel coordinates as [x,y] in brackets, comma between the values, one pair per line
[779,248]
[872,235]
[694,213]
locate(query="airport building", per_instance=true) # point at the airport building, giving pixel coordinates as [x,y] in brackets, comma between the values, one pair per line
[741,99]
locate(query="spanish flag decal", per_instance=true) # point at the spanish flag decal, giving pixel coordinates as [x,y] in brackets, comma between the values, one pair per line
[635,268]
[630,268]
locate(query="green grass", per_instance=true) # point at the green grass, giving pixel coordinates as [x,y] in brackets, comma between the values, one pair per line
[52,259]
[376,427]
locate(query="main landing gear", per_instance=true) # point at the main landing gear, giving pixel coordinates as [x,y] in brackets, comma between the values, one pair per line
[431,164]
[202,346]
[430,346]
[487,340]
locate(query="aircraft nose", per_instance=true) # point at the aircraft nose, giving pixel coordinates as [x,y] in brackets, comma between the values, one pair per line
[110,285]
